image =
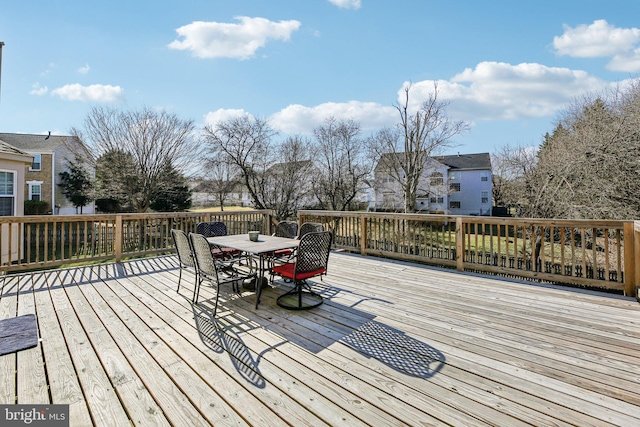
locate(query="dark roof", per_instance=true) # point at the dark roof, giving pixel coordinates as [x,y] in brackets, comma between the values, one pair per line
[457,161]
[35,142]
[466,161]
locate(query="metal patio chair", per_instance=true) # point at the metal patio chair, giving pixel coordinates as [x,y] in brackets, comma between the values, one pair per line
[208,269]
[311,260]
[186,260]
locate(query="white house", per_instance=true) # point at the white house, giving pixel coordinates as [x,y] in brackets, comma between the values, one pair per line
[458,185]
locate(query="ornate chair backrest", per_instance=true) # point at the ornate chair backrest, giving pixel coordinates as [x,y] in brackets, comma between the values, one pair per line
[313,252]
[203,257]
[181,242]
[310,227]
[288,229]
[212,229]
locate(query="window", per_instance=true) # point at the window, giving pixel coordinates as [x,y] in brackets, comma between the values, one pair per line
[454,186]
[37,163]
[432,200]
[485,197]
[7,193]
[440,199]
[436,179]
[35,191]
[484,177]
[454,205]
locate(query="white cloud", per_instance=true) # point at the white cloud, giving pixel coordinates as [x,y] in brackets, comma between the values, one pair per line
[223,115]
[596,40]
[627,62]
[226,40]
[490,91]
[92,93]
[301,120]
[84,70]
[497,90]
[347,4]
[38,90]
[601,39]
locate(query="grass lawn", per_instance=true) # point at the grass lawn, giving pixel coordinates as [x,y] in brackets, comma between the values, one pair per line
[226,208]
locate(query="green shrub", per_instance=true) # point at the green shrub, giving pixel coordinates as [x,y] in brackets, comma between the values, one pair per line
[108,205]
[36,207]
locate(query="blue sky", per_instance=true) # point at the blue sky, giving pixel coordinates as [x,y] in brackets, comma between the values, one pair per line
[507,67]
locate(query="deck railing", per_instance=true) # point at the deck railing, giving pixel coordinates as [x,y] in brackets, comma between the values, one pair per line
[32,242]
[601,254]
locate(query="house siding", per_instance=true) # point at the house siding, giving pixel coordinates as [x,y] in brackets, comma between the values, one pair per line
[18,168]
[438,198]
[470,195]
[44,175]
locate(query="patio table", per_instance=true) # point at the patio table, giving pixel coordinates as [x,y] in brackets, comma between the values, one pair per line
[264,246]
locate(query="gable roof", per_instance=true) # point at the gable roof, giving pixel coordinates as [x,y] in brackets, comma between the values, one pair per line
[10,152]
[458,161]
[466,161]
[34,142]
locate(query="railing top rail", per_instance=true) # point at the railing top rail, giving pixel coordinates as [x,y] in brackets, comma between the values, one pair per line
[98,217]
[589,223]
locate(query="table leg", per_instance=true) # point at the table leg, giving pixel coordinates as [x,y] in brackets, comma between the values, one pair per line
[259,280]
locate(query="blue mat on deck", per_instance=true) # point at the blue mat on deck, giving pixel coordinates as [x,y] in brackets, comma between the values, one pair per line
[18,333]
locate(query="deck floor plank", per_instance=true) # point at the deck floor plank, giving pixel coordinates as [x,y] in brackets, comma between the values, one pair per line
[8,309]
[103,401]
[32,380]
[515,338]
[63,379]
[395,343]
[245,359]
[181,392]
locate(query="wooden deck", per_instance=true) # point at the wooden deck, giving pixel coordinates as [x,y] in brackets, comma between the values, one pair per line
[394,344]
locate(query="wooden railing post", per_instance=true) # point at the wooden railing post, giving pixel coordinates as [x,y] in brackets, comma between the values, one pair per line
[363,234]
[459,245]
[636,239]
[119,238]
[630,245]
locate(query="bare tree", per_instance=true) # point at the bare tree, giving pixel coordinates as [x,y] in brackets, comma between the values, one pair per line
[512,168]
[222,178]
[246,142]
[403,152]
[152,139]
[341,159]
[288,183]
[588,166]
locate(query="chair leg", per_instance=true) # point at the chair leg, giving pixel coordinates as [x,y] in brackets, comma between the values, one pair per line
[196,290]
[179,279]
[215,307]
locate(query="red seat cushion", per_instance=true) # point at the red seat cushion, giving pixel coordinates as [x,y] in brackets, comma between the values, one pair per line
[225,252]
[287,270]
[283,252]
[279,253]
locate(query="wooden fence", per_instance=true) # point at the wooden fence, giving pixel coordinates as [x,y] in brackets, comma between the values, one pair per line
[32,242]
[600,254]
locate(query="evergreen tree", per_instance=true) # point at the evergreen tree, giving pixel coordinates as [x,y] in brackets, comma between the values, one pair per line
[172,193]
[76,184]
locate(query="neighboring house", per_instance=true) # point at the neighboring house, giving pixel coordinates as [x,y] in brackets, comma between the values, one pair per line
[13,165]
[455,185]
[50,156]
[204,195]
